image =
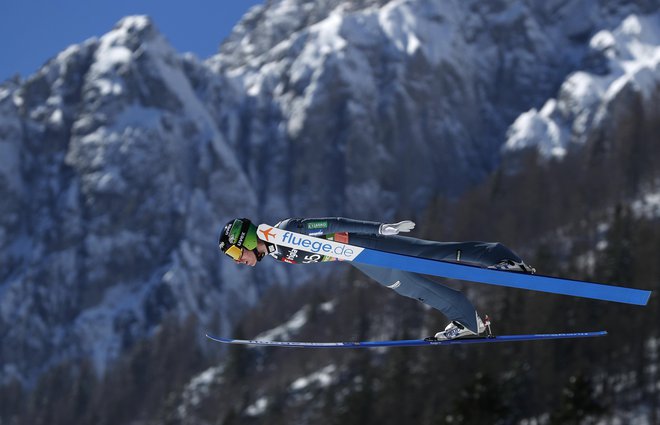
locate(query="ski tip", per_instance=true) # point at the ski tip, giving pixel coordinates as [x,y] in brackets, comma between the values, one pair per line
[648,296]
[633,296]
[218,339]
[593,333]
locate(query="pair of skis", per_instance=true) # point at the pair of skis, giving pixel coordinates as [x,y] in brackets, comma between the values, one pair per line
[347,252]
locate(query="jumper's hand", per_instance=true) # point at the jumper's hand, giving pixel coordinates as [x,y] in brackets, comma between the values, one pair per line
[394,229]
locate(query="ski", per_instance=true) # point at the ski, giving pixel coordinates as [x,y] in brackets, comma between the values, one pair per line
[450,270]
[407,342]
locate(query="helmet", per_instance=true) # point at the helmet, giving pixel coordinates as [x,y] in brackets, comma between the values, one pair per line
[238,234]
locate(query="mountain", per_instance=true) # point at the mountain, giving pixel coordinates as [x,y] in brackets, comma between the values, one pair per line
[621,84]
[114,180]
[121,159]
[395,101]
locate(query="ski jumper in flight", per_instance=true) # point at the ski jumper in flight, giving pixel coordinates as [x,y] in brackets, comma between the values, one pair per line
[239,240]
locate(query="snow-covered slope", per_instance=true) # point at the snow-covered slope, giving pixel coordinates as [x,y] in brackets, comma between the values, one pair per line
[625,71]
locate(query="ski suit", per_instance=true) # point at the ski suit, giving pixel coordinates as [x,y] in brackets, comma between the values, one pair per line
[450,302]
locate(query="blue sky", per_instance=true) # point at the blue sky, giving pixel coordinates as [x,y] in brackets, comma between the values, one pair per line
[33,31]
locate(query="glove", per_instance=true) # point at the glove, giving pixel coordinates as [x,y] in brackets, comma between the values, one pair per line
[394,229]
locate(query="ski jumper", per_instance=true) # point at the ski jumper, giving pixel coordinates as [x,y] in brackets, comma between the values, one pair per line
[450,302]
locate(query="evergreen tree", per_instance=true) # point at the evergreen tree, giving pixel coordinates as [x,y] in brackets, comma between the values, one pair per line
[579,405]
[360,405]
[12,399]
[480,402]
[617,257]
[239,358]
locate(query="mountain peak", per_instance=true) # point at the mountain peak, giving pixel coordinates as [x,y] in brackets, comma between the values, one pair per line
[136,25]
[130,33]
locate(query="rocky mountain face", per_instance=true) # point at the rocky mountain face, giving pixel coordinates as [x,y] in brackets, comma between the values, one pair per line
[120,159]
[621,85]
[115,179]
[396,101]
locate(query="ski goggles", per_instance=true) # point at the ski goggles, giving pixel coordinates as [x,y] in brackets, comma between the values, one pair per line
[234,252]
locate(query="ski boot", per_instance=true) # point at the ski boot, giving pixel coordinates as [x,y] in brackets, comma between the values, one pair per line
[513,266]
[457,330]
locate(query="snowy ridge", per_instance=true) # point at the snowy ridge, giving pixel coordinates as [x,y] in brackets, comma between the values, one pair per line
[199,387]
[287,329]
[297,321]
[632,57]
[322,378]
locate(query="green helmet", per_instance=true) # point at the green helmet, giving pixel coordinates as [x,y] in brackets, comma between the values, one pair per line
[238,234]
